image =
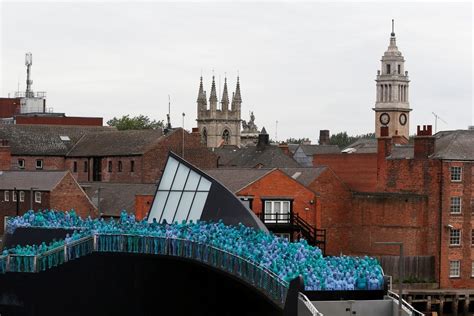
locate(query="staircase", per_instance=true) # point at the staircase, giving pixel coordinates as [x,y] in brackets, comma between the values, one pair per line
[294,225]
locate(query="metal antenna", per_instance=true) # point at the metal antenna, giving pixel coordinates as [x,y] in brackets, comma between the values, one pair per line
[436,121]
[276,131]
[29,82]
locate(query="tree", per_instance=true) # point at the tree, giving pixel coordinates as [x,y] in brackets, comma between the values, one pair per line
[292,140]
[137,122]
[343,140]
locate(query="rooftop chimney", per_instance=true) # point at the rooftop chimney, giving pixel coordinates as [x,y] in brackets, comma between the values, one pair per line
[424,142]
[324,137]
[263,139]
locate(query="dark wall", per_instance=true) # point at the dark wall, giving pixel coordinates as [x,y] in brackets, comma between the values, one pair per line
[121,284]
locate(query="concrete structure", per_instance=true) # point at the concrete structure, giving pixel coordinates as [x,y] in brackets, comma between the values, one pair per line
[392,108]
[219,126]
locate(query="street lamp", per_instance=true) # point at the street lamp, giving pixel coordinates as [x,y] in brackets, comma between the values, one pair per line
[400,270]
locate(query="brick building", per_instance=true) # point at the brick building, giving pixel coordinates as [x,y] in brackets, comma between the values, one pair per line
[21,191]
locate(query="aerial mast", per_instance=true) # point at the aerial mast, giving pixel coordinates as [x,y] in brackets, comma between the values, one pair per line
[28,62]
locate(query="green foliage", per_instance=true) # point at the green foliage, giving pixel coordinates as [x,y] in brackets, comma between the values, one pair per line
[137,122]
[292,140]
[343,140]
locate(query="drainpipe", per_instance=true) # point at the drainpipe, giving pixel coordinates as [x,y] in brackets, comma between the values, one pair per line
[440,220]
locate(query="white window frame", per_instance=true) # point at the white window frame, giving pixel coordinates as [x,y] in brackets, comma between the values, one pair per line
[14,196]
[453,237]
[21,163]
[22,196]
[455,205]
[455,173]
[272,218]
[37,197]
[40,165]
[454,268]
[6,196]
[472,269]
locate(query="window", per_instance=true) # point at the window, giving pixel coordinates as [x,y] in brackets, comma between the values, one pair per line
[74,166]
[456,173]
[277,212]
[110,166]
[472,269]
[388,69]
[472,237]
[22,196]
[39,163]
[37,197]
[132,166]
[455,237]
[6,196]
[226,137]
[21,163]
[454,269]
[86,166]
[456,205]
[14,196]
[120,166]
[399,69]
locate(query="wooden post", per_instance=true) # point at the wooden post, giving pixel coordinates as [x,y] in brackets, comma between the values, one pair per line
[455,304]
[466,304]
[441,305]
[428,304]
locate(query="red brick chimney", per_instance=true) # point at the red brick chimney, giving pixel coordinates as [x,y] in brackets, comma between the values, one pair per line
[400,140]
[284,148]
[424,142]
[5,155]
[324,137]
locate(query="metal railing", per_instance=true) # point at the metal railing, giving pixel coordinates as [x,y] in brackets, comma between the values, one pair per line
[314,311]
[405,305]
[260,277]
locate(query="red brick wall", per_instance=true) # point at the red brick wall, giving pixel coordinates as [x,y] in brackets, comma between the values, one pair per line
[277,184]
[10,208]
[5,155]
[49,162]
[55,120]
[335,199]
[358,171]
[124,176]
[69,195]
[154,159]
[9,107]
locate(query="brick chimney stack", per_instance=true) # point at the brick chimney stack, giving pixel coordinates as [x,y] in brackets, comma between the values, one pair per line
[5,155]
[424,142]
[324,137]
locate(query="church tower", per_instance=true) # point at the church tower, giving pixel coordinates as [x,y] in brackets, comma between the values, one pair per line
[219,125]
[391,107]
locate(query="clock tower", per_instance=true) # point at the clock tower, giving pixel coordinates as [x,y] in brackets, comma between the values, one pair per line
[391,107]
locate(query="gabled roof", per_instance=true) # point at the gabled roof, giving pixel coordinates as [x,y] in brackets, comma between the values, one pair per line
[116,197]
[362,146]
[45,140]
[115,143]
[455,145]
[305,176]
[402,152]
[255,157]
[236,179]
[25,180]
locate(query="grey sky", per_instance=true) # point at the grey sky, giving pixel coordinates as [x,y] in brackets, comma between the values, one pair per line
[310,66]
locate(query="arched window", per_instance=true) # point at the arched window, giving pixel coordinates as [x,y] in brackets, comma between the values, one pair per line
[226,137]
[204,137]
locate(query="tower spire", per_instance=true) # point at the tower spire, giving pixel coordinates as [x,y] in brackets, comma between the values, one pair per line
[393,28]
[225,97]
[213,96]
[201,99]
[237,97]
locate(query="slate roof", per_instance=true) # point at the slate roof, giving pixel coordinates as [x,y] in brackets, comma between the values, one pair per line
[305,176]
[363,146]
[455,145]
[25,180]
[115,143]
[311,150]
[115,197]
[402,152]
[254,157]
[44,140]
[237,178]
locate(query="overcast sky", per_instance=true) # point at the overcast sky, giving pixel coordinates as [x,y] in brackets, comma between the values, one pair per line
[309,66]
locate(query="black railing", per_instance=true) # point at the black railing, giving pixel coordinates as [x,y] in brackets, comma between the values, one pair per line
[293,224]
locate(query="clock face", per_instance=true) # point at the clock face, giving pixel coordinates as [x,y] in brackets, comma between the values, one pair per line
[403,119]
[384,118]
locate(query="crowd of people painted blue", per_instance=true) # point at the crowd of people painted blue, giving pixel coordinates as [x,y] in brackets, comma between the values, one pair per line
[285,259]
